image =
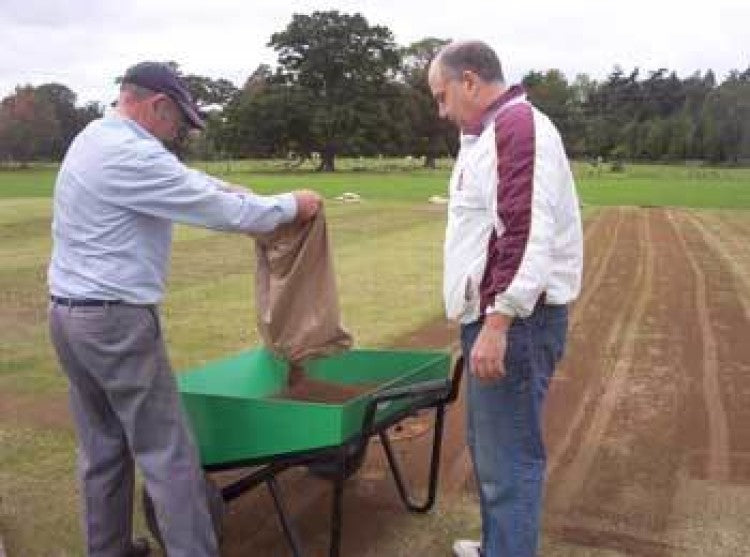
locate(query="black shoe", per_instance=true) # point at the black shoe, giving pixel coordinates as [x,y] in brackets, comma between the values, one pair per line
[139,548]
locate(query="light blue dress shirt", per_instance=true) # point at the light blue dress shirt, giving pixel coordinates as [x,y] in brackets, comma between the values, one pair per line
[117,195]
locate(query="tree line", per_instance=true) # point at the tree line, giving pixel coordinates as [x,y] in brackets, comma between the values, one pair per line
[343,86]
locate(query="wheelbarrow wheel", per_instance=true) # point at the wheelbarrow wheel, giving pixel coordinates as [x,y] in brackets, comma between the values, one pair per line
[215,508]
[329,469]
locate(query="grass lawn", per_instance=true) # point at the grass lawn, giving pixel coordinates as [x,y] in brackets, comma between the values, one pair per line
[388,255]
[676,186]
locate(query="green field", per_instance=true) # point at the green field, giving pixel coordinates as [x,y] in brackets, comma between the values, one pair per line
[676,186]
[388,256]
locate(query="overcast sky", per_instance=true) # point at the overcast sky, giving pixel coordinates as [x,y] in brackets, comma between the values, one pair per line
[86,44]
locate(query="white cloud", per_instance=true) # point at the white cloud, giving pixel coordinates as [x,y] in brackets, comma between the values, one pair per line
[86,44]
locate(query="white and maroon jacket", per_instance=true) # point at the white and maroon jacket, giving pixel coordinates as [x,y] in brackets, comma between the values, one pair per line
[514,226]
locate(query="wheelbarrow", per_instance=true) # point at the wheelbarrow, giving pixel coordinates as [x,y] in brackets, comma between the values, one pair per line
[240,422]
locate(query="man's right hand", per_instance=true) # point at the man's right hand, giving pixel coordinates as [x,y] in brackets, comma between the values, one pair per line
[308,204]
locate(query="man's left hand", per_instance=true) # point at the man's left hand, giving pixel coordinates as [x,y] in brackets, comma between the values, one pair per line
[488,354]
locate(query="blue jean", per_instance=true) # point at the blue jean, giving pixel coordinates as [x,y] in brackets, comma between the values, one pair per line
[505,430]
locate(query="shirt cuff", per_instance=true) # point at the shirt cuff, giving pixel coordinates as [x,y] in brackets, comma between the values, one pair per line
[288,204]
[502,306]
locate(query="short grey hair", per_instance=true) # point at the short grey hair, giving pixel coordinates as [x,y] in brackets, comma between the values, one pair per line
[473,56]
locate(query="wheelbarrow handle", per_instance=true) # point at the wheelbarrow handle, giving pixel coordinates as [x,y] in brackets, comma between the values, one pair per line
[447,386]
[434,386]
[426,393]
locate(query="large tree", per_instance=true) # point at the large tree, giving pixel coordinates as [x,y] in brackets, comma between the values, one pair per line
[38,123]
[63,103]
[551,93]
[431,135]
[29,129]
[344,65]
[208,92]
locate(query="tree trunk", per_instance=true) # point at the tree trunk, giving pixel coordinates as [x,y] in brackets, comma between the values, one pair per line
[327,158]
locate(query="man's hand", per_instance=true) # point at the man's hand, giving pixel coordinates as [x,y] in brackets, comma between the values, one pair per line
[308,204]
[488,354]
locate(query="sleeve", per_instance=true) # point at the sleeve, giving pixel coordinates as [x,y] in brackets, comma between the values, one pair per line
[154,182]
[520,259]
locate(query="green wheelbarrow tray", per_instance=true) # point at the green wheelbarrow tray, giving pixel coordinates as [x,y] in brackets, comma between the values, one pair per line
[237,415]
[239,420]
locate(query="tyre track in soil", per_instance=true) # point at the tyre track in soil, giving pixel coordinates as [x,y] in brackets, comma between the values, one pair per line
[601,257]
[595,269]
[720,245]
[627,500]
[596,322]
[726,288]
[619,496]
[718,446]
[667,412]
[579,469]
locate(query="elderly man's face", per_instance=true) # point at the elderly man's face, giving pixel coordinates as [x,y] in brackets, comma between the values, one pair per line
[168,123]
[454,97]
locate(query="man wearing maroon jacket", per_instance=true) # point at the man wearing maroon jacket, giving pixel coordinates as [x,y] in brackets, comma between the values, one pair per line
[513,261]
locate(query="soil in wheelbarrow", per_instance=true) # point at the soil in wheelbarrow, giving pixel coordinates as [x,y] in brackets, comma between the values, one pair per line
[302,387]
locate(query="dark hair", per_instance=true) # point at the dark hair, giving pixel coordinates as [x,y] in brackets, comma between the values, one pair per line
[473,56]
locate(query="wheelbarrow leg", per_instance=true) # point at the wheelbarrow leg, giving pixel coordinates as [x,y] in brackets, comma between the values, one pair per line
[291,537]
[434,466]
[338,495]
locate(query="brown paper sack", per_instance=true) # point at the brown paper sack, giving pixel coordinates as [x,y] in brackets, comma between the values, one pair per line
[295,294]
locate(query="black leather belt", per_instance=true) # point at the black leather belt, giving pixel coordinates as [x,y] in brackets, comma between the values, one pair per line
[83,302]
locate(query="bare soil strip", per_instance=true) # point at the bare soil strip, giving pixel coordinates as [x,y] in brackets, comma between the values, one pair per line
[721,245]
[667,420]
[597,322]
[718,465]
[578,470]
[596,268]
[730,324]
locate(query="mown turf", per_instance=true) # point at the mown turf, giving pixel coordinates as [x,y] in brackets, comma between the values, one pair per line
[657,185]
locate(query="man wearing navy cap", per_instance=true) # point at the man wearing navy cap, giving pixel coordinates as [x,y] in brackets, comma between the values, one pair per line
[117,194]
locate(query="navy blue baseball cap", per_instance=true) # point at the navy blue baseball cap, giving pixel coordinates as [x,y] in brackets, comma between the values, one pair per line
[161,78]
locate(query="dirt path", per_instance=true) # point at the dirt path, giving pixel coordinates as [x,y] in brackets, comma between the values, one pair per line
[579,468]
[653,411]
[718,461]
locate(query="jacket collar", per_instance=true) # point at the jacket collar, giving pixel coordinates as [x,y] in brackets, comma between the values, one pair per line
[512,93]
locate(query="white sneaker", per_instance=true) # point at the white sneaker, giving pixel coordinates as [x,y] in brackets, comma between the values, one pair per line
[466,548]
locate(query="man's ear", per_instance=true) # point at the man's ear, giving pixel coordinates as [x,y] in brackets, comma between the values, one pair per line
[161,107]
[471,82]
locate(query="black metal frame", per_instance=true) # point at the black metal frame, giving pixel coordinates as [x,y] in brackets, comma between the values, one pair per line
[341,461]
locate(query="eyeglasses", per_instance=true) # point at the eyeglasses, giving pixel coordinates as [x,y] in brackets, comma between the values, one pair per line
[183,129]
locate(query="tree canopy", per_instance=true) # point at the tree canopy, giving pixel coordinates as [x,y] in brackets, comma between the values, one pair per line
[343,86]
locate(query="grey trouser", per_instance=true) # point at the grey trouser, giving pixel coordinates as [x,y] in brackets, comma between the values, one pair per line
[124,400]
